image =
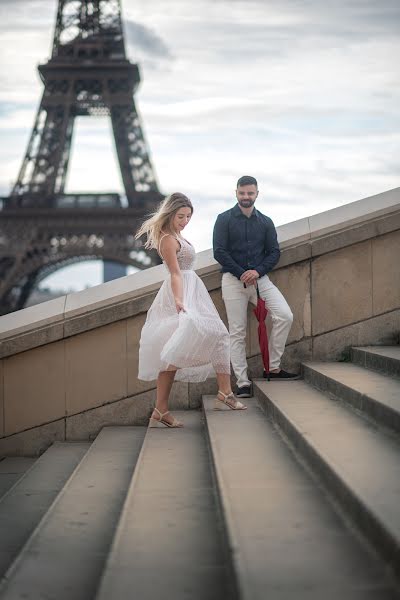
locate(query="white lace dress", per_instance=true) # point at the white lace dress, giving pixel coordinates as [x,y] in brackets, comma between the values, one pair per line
[196,341]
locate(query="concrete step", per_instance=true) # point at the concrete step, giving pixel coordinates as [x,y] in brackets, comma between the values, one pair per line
[357,462]
[376,395]
[25,503]
[65,555]
[11,469]
[287,541]
[168,543]
[384,359]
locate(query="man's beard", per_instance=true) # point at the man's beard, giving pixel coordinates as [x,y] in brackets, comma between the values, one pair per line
[246,203]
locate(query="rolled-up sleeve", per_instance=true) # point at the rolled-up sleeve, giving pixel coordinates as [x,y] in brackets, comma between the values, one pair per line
[220,246]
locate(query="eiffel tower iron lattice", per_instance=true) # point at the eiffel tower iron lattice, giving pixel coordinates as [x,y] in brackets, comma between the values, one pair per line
[41,227]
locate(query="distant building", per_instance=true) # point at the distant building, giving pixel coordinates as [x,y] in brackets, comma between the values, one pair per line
[42,295]
[113,270]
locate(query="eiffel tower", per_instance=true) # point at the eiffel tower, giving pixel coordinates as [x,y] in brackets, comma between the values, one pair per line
[41,227]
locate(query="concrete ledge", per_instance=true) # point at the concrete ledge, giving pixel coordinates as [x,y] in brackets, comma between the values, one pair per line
[354,213]
[33,317]
[355,234]
[108,314]
[114,292]
[32,339]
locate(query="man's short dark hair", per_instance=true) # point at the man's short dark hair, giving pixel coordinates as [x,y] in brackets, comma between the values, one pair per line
[247,180]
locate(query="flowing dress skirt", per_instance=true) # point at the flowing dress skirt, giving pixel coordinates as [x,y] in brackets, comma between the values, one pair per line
[195,341]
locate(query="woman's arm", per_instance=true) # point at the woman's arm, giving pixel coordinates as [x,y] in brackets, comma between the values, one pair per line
[168,248]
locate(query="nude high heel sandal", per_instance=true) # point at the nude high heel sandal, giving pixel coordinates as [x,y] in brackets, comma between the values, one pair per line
[229,400]
[160,422]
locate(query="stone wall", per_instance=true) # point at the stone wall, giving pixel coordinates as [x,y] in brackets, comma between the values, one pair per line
[69,366]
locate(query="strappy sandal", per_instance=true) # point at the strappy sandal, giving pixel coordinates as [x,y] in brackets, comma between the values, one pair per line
[160,422]
[229,400]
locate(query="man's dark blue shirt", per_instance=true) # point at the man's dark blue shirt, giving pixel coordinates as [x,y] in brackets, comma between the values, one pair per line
[242,243]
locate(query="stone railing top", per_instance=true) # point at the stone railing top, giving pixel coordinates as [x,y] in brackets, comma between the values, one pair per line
[291,236]
[339,218]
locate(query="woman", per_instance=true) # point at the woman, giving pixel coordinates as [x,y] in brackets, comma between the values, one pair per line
[183,338]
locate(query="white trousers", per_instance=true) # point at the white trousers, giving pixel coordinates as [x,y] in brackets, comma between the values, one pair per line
[236,298]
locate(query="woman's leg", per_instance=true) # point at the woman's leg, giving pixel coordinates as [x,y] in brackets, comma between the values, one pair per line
[164,384]
[221,364]
[224,386]
[224,382]
[165,380]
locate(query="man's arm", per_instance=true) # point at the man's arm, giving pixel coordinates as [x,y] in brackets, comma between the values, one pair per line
[273,253]
[221,247]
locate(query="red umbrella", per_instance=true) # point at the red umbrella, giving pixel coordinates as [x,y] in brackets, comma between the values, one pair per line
[261,312]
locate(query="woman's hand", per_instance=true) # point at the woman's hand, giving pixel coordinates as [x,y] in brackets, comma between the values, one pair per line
[179,306]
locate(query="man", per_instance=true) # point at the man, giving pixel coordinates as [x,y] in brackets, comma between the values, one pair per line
[246,246]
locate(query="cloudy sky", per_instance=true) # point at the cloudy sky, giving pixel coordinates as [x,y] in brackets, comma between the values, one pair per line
[302,94]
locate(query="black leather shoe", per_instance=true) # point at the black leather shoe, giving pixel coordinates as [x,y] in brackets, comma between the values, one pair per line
[243,392]
[281,376]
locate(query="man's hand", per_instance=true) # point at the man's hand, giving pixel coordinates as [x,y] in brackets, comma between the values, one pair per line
[250,277]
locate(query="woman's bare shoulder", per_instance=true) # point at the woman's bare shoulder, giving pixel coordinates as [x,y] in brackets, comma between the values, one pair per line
[168,240]
[168,243]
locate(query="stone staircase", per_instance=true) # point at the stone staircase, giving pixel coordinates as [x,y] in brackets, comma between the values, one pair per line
[296,498]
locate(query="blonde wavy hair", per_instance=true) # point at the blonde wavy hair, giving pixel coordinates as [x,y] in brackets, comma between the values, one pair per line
[160,222]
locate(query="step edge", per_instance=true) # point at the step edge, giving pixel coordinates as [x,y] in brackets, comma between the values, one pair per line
[13,566]
[345,365]
[310,453]
[364,358]
[236,562]
[385,415]
[10,572]
[119,529]
[36,464]
[370,350]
